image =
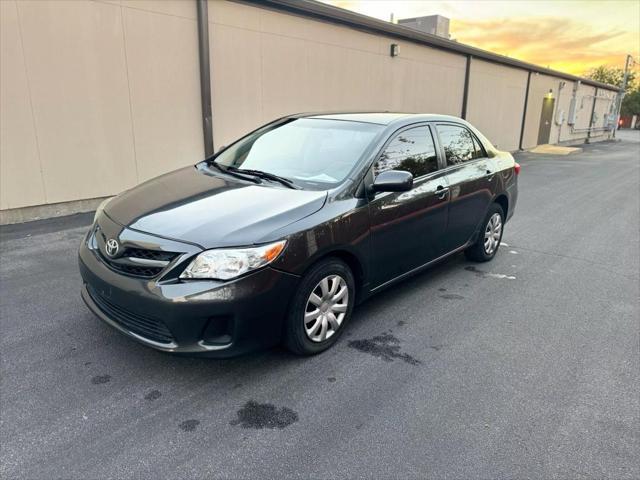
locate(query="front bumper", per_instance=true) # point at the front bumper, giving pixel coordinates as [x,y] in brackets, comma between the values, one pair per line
[206,317]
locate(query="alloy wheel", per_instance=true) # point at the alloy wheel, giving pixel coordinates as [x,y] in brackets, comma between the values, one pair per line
[326,308]
[492,234]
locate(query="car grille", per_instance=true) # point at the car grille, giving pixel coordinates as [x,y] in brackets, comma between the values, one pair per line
[145,326]
[149,254]
[135,271]
[144,271]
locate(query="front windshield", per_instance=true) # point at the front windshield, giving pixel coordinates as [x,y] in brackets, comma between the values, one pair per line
[312,152]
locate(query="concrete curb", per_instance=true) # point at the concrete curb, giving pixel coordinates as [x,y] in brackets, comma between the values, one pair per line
[53,210]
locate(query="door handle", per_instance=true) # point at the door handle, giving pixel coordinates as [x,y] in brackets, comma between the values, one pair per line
[441,191]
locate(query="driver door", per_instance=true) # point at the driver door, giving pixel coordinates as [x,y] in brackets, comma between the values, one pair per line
[407,228]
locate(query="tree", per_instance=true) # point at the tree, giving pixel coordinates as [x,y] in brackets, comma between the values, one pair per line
[612,76]
[631,103]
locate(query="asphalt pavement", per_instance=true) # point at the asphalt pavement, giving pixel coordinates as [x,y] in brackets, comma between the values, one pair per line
[524,367]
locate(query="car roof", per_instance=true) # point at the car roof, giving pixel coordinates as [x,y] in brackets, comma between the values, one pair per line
[382,118]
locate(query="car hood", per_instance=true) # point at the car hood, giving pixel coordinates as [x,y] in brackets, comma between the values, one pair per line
[199,206]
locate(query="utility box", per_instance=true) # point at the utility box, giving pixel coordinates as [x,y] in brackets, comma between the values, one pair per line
[571,119]
[573,105]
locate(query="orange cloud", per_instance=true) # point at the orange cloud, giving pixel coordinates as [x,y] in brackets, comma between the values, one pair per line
[573,36]
[548,41]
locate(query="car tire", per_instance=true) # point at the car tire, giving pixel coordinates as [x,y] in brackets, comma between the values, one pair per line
[489,238]
[332,283]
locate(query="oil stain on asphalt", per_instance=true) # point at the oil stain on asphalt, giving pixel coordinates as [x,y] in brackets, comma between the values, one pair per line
[264,415]
[189,425]
[385,346]
[153,395]
[100,379]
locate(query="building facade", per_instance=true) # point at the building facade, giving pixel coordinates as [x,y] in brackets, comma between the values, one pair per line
[100,95]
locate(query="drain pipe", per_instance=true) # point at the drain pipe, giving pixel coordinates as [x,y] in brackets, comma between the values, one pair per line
[561,85]
[593,112]
[465,92]
[524,110]
[205,76]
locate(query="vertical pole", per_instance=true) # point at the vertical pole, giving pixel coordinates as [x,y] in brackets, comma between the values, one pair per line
[465,93]
[621,93]
[524,110]
[593,111]
[205,76]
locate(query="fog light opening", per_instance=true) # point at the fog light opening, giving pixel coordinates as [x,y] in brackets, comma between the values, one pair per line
[218,331]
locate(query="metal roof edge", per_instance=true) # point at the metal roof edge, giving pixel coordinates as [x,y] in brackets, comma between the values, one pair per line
[329,13]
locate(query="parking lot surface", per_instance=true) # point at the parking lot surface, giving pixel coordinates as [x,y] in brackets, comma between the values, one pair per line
[527,366]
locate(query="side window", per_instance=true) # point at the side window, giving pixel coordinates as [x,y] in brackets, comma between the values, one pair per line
[458,144]
[479,148]
[412,150]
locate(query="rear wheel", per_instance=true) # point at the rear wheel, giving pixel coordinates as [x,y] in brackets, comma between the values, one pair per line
[320,307]
[490,236]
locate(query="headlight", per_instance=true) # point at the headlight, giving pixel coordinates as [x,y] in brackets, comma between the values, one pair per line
[227,263]
[101,208]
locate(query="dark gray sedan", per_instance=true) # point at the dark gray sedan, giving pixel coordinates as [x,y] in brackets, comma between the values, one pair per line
[277,237]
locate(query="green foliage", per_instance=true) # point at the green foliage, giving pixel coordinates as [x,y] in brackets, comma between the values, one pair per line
[631,103]
[612,76]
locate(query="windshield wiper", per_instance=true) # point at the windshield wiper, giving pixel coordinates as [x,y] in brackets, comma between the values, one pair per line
[232,171]
[266,175]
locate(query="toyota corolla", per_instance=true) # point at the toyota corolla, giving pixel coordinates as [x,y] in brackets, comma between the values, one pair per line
[277,237]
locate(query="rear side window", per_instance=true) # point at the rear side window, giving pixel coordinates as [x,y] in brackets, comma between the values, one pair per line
[458,143]
[411,150]
[479,149]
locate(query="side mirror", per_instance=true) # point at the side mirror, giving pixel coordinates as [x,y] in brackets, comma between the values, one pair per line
[221,149]
[393,181]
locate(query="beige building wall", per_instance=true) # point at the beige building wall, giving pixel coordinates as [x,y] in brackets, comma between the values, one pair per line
[496,102]
[267,64]
[562,94]
[604,107]
[21,181]
[539,87]
[584,102]
[96,96]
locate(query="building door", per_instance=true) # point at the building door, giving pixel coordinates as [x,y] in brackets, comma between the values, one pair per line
[546,117]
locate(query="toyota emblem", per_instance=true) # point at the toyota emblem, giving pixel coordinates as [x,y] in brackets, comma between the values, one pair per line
[112,247]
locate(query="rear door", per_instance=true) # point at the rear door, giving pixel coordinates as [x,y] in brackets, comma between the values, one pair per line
[471,177]
[407,227]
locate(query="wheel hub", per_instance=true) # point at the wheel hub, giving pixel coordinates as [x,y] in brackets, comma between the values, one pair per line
[326,308]
[492,234]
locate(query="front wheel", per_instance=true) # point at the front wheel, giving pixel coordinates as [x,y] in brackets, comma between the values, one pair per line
[490,236]
[320,307]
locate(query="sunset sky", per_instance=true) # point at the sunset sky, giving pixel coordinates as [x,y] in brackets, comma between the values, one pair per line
[571,36]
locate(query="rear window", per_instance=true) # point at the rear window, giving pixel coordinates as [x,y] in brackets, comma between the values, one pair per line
[458,143]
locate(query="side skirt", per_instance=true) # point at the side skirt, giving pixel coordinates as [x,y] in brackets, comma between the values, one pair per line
[416,270]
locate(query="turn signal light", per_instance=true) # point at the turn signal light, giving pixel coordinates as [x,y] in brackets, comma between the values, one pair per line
[272,252]
[517,168]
